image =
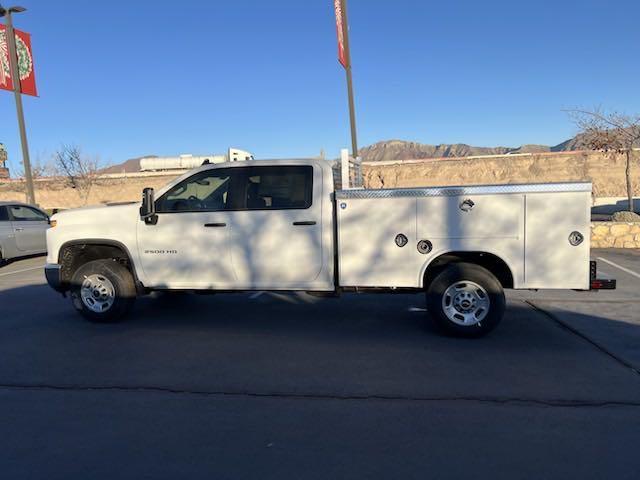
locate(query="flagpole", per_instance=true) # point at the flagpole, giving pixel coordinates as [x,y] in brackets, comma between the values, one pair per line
[15,78]
[352,108]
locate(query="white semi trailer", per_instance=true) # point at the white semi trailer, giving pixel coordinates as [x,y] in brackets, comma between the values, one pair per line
[281,225]
[188,161]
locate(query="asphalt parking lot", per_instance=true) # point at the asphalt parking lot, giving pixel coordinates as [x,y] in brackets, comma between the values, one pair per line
[267,385]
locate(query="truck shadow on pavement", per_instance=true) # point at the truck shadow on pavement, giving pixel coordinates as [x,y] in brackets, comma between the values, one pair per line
[354,346]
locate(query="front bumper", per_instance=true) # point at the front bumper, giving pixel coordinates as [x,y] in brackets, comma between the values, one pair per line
[53,274]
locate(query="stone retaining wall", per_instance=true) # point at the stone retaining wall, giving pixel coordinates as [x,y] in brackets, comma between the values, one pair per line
[605,171]
[615,234]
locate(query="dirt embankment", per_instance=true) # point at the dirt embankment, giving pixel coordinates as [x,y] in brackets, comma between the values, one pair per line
[605,171]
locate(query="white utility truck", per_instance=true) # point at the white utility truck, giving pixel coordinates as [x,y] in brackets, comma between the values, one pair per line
[281,225]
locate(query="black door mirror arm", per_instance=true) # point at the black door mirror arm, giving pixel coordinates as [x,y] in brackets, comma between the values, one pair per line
[148,207]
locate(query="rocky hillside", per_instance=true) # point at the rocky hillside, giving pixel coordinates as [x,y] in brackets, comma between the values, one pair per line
[575,143]
[402,150]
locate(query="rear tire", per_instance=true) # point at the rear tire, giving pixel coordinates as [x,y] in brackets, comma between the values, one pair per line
[103,291]
[465,300]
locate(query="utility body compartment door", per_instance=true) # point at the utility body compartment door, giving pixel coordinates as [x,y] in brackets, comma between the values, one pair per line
[551,261]
[471,217]
[369,255]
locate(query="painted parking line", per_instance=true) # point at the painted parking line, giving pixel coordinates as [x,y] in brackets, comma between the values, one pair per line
[40,267]
[620,267]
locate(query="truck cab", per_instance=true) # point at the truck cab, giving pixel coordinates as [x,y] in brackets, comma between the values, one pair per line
[242,226]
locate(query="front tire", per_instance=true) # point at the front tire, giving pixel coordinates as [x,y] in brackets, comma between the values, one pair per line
[103,291]
[465,300]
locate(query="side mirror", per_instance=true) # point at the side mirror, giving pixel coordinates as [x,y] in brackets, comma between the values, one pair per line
[148,207]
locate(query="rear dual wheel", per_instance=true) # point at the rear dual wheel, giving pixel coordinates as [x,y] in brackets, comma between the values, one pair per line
[465,300]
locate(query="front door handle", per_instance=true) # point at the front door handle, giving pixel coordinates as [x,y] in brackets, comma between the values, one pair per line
[215,224]
[309,222]
[19,229]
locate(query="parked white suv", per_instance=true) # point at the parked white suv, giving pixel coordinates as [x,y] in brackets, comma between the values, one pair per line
[22,230]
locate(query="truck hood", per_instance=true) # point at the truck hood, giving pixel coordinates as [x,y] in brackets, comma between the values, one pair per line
[98,214]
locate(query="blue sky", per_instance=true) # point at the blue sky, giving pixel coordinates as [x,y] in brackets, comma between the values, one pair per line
[124,79]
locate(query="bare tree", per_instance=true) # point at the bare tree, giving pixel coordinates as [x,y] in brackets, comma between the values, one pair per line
[79,170]
[610,132]
[39,170]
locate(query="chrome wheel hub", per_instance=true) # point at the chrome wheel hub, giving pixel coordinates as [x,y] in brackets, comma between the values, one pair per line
[465,303]
[97,293]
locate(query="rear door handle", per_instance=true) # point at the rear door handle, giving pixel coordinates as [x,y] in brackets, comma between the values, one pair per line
[19,229]
[215,224]
[309,222]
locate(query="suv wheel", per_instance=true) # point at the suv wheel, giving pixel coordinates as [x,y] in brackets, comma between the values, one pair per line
[103,291]
[465,300]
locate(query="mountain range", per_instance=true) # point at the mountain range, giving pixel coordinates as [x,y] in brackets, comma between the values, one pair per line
[403,150]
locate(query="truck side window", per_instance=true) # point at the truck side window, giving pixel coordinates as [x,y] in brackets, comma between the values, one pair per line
[278,188]
[205,191]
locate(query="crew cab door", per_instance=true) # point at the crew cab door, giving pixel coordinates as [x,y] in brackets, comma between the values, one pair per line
[277,228]
[29,227]
[188,247]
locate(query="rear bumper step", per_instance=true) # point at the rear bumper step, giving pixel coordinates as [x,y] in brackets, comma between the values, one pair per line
[603,284]
[596,283]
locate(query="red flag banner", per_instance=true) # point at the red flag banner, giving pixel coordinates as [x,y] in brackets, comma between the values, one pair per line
[342,54]
[25,63]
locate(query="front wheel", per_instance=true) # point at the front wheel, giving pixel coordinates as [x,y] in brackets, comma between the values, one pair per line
[103,291]
[465,300]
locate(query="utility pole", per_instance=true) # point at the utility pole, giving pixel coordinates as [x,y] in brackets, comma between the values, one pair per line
[347,66]
[15,79]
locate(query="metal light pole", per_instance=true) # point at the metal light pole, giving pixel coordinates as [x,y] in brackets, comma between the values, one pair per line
[15,78]
[347,67]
